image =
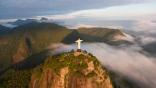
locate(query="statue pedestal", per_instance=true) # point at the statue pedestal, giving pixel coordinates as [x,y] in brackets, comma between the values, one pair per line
[77,52]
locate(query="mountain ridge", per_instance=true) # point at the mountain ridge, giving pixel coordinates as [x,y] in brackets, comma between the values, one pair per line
[41,35]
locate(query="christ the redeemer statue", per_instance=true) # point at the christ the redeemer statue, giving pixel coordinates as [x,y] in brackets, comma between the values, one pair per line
[78,43]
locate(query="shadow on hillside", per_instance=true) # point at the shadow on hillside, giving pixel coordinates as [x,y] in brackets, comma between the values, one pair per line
[32,61]
[28,63]
[4,70]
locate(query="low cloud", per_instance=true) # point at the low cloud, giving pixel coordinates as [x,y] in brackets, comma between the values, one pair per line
[145,25]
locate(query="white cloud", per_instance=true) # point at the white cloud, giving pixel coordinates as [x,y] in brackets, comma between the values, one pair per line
[126,12]
[3,21]
[81,25]
[145,25]
[75,26]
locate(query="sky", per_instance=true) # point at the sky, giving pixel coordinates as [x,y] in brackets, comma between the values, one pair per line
[11,9]
[75,13]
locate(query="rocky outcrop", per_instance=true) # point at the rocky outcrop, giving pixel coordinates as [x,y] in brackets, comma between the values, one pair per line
[49,79]
[23,51]
[69,71]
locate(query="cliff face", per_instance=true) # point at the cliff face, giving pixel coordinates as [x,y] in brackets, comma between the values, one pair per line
[70,71]
[23,51]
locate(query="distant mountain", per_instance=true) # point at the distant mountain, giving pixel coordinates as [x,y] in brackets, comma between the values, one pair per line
[110,36]
[43,19]
[3,30]
[106,34]
[22,22]
[37,36]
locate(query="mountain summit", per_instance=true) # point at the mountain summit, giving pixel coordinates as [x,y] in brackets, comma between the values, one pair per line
[67,70]
[71,70]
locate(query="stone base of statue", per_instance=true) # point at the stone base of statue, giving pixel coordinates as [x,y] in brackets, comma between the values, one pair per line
[78,50]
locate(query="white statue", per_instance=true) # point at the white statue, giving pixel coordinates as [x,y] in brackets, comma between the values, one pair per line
[78,43]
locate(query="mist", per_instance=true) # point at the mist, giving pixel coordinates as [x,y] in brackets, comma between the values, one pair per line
[128,61]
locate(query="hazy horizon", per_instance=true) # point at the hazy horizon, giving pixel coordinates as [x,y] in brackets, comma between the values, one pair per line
[136,15]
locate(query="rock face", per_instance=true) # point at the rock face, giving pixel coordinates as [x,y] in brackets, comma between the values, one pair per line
[23,51]
[70,71]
